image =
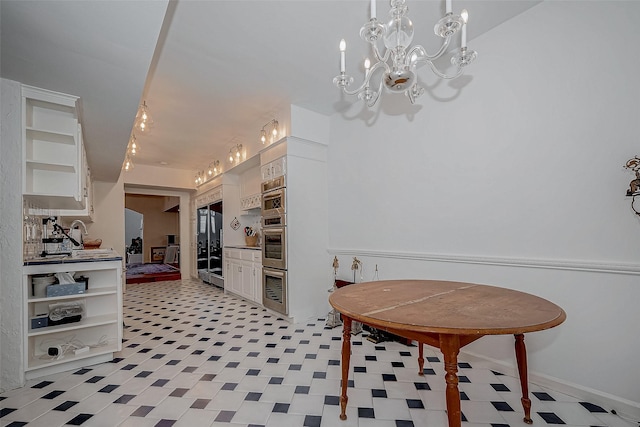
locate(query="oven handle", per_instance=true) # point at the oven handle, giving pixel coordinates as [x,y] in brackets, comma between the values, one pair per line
[273,193]
[266,230]
[273,272]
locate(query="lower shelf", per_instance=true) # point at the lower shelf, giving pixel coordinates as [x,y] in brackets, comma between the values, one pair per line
[87,322]
[39,363]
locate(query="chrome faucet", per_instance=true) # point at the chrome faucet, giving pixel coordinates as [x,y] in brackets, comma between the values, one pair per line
[71,228]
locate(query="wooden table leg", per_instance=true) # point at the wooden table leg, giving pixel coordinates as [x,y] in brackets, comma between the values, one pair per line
[450,347]
[521,357]
[420,358]
[346,357]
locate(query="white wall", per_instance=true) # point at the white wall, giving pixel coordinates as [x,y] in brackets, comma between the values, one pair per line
[158,176]
[11,307]
[513,176]
[108,221]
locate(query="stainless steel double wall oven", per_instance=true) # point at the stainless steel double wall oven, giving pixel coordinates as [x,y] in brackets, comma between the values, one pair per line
[274,245]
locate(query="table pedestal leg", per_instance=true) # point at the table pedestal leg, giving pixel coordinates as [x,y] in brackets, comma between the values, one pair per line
[521,357]
[346,357]
[420,358]
[450,347]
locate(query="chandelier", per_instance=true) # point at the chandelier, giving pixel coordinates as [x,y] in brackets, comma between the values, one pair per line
[400,60]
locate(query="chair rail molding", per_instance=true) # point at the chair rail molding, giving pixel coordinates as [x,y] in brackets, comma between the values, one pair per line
[554,264]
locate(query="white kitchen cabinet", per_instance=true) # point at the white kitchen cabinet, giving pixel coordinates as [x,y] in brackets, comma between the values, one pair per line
[85,214]
[233,275]
[243,273]
[100,329]
[274,169]
[52,150]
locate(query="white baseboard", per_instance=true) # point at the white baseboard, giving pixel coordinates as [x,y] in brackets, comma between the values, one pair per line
[626,408]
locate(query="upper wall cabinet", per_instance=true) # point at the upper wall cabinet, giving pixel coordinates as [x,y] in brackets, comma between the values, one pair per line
[274,169]
[52,150]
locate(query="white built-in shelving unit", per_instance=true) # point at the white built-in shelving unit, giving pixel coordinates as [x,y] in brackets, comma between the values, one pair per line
[100,328]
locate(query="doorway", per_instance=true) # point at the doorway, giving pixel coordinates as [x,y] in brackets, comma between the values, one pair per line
[210,242]
[133,226]
[153,254]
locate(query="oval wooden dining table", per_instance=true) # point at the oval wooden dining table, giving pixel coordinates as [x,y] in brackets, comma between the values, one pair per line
[446,315]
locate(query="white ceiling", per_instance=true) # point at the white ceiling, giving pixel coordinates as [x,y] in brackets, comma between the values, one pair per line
[210,71]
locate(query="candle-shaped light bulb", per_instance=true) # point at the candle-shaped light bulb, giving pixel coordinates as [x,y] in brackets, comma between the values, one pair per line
[373,9]
[343,48]
[367,65]
[465,17]
[448,6]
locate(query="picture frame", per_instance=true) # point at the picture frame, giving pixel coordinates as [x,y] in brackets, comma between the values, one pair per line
[157,254]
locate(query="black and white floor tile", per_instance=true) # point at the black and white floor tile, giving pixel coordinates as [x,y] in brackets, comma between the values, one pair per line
[194,356]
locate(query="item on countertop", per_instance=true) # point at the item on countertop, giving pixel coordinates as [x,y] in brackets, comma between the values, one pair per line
[251,237]
[92,243]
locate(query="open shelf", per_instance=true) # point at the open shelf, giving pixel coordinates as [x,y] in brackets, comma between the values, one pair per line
[91,292]
[43,361]
[86,322]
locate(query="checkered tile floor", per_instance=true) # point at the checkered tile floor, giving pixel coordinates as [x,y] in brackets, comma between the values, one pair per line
[194,356]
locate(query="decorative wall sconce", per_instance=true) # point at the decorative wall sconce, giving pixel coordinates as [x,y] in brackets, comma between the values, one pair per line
[212,171]
[214,168]
[634,186]
[143,121]
[274,131]
[200,178]
[235,154]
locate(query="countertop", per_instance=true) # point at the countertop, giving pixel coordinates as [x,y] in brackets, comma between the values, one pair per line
[85,255]
[254,248]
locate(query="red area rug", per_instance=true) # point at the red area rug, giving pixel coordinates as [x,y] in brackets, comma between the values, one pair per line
[143,273]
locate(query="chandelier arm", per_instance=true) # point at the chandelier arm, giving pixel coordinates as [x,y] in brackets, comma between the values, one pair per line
[367,79]
[376,53]
[374,99]
[437,72]
[424,56]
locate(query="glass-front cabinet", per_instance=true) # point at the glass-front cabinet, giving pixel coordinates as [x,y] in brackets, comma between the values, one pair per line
[210,241]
